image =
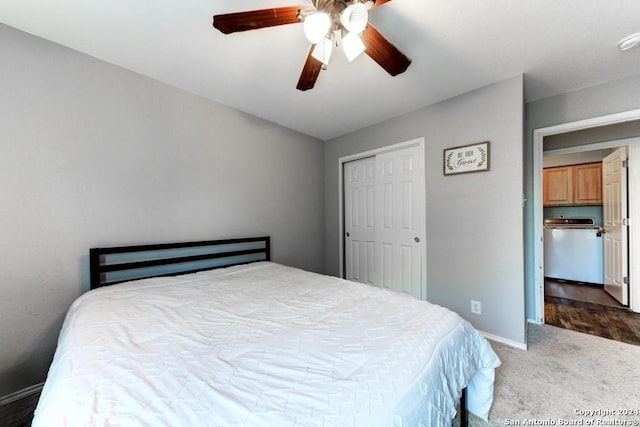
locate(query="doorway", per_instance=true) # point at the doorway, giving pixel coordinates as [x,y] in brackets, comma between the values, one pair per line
[634,200]
[382,211]
[591,307]
[585,242]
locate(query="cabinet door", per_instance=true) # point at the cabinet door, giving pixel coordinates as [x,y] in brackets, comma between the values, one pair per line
[587,189]
[557,186]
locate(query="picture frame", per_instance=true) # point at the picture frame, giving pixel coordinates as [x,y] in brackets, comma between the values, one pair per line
[466,158]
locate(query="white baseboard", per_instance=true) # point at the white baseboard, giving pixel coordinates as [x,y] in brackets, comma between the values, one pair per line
[20,394]
[510,343]
[534,321]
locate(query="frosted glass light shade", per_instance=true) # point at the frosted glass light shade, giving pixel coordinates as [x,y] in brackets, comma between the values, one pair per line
[316,26]
[354,18]
[352,45]
[322,51]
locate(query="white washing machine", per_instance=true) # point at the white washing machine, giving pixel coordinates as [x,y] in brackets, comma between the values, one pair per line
[573,250]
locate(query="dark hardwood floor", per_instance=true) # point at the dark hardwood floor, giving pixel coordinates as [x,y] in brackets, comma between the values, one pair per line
[589,309]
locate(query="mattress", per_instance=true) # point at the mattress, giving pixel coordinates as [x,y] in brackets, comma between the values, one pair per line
[262,345]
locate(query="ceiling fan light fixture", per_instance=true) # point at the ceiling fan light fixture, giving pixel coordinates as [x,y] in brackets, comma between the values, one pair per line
[352,46]
[322,51]
[316,26]
[327,28]
[354,18]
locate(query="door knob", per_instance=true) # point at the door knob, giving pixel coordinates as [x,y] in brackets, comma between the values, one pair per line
[417,239]
[348,234]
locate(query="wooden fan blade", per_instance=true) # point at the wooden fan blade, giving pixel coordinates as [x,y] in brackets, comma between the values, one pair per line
[255,19]
[310,72]
[377,3]
[383,52]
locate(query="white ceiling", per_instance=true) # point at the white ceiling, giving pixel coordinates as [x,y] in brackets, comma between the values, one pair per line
[455,45]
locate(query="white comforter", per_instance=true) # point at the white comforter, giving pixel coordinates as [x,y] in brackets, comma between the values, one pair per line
[262,345]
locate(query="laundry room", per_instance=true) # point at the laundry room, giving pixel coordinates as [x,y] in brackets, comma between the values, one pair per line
[574,226]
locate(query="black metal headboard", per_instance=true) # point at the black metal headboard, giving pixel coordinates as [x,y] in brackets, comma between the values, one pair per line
[113,265]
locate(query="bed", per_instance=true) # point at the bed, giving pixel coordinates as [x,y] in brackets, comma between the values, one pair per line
[178,335]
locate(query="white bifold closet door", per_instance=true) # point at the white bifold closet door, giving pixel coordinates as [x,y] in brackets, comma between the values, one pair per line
[384,220]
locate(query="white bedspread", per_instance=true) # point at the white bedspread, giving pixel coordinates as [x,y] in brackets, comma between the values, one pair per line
[262,345]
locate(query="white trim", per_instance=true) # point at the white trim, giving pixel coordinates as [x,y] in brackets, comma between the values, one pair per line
[20,394]
[538,249]
[534,321]
[625,116]
[538,253]
[510,343]
[634,228]
[370,153]
[417,142]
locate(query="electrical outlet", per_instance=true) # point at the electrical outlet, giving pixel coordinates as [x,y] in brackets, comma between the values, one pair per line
[476,307]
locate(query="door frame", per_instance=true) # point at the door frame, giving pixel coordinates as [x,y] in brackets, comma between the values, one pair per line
[418,142]
[633,206]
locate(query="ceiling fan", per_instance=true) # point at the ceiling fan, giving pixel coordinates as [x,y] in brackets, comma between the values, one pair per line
[327,23]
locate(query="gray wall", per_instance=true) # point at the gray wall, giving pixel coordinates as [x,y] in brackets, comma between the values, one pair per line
[93,155]
[596,101]
[474,221]
[593,135]
[575,158]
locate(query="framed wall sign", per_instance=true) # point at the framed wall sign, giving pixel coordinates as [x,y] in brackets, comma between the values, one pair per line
[467,158]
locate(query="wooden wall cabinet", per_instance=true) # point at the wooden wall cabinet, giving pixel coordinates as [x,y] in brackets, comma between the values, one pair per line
[587,189]
[573,185]
[558,186]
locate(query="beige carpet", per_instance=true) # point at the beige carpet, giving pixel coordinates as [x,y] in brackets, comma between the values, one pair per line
[561,377]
